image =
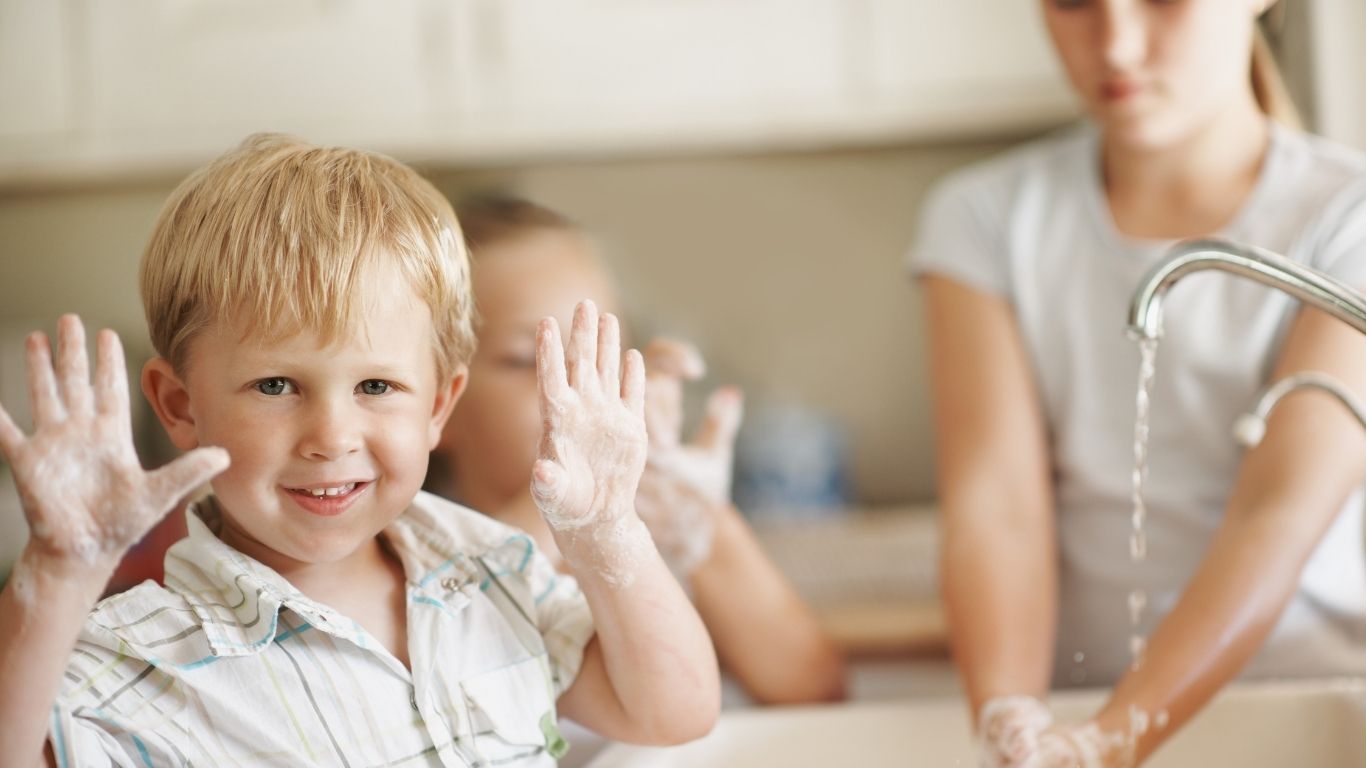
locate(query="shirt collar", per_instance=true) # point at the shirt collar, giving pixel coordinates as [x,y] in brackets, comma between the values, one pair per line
[238,599]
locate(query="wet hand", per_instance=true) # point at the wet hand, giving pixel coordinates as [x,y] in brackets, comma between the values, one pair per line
[1018,732]
[85,495]
[1009,730]
[684,484]
[593,442]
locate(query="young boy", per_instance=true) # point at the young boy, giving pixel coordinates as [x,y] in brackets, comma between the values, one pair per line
[311,312]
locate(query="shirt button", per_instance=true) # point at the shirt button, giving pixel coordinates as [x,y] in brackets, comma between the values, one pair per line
[451,585]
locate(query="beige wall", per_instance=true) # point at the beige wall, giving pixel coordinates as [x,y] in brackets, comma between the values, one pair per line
[785,269]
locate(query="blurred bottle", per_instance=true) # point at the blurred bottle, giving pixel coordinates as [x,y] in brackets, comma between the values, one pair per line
[791,462]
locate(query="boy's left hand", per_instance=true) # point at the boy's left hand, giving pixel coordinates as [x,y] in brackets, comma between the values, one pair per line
[593,444]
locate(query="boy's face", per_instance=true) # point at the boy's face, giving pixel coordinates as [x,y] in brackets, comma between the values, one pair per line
[494,435]
[328,444]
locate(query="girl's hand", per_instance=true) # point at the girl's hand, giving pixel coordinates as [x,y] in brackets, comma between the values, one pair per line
[1081,746]
[86,497]
[1010,727]
[1018,732]
[593,444]
[685,484]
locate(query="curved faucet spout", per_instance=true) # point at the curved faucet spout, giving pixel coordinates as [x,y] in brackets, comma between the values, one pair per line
[1305,284]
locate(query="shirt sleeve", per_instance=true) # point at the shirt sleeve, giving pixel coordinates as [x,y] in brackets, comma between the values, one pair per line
[959,234]
[1339,249]
[563,618]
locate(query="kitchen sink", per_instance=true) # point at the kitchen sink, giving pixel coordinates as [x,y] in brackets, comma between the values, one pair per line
[1250,725]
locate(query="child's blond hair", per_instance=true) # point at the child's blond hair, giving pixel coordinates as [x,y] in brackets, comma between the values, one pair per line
[279,236]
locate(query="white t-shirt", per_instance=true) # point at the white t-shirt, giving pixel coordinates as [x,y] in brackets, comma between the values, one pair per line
[1034,227]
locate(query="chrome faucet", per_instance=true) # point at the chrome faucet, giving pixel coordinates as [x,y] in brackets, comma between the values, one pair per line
[1263,266]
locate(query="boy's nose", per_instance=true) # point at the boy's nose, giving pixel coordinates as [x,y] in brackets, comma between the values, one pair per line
[332,430]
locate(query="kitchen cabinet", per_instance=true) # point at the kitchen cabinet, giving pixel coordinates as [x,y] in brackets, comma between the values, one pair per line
[159,86]
[964,67]
[37,90]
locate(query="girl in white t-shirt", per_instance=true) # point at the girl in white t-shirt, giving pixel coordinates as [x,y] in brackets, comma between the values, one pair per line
[1254,559]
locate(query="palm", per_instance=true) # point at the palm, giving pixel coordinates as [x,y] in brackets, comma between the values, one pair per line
[703,465]
[84,493]
[593,448]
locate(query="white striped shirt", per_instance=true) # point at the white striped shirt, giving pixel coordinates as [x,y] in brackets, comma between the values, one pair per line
[230,665]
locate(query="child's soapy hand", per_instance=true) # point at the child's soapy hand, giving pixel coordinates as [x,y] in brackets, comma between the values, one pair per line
[684,484]
[593,445]
[1018,732]
[1009,729]
[1080,746]
[85,495]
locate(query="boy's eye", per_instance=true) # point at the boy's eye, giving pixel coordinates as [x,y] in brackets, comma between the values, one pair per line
[374,387]
[273,386]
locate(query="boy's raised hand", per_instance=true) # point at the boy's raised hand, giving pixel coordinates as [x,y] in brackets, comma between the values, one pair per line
[85,494]
[593,441]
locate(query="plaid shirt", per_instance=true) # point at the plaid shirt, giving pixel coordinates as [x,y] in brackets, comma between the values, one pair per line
[230,665]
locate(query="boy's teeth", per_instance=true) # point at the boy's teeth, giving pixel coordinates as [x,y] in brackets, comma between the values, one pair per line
[333,491]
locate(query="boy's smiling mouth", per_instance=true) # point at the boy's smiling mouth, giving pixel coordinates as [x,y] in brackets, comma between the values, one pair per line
[327,499]
[332,490]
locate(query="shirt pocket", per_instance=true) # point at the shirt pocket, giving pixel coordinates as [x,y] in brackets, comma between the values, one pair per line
[508,707]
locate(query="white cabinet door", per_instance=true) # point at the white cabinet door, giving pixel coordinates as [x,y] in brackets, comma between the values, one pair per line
[36,88]
[964,65]
[655,72]
[194,74]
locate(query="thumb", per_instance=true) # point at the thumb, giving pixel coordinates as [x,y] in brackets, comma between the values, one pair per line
[176,480]
[549,486]
[725,408]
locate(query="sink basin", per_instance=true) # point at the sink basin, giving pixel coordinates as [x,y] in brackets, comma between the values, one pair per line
[1250,725]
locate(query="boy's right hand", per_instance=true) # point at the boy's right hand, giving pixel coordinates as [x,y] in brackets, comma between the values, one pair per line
[85,495]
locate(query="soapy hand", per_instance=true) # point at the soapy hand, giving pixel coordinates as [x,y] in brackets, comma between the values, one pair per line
[1009,729]
[1018,732]
[86,497]
[1080,746]
[593,445]
[684,485]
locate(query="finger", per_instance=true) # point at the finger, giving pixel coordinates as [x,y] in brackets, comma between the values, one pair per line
[173,482]
[633,383]
[111,376]
[73,366]
[663,410]
[675,358]
[581,356]
[11,437]
[609,353]
[725,409]
[550,375]
[42,387]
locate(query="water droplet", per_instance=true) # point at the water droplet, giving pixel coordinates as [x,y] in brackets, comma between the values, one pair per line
[1138,600]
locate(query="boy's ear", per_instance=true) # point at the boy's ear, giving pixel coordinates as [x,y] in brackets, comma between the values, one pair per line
[171,402]
[446,398]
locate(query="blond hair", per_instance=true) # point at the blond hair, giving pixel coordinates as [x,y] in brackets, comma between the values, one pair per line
[283,236]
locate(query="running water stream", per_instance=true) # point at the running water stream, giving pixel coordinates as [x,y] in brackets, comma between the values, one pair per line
[1138,537]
